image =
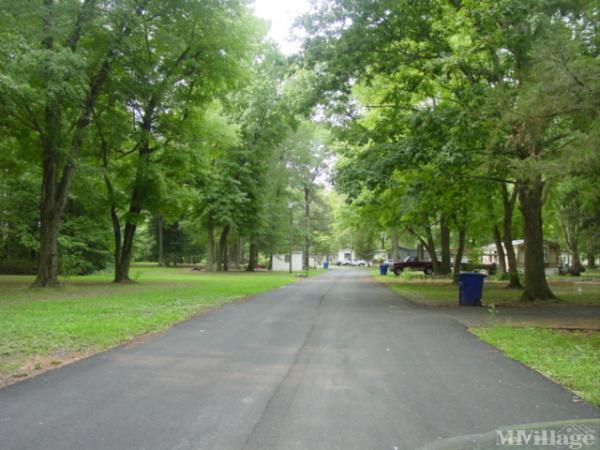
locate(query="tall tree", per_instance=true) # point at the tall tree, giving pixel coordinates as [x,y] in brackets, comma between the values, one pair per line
[56,59]
[306,164]
[166,70]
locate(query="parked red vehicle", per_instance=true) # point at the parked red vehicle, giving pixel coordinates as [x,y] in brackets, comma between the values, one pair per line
[412,263]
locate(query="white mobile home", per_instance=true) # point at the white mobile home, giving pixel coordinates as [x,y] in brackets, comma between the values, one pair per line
[346,254]
[380,255]
[551,253]
[281,263]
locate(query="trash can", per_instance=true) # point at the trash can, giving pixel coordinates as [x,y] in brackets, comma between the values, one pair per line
[383,268]
[325,265]
[470,288]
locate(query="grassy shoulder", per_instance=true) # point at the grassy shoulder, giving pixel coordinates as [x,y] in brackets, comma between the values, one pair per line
[570,358]
[41,329]
[433,291]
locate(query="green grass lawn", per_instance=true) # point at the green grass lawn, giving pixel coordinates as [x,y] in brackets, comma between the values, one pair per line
[433,291]
[44,328]
[570,358]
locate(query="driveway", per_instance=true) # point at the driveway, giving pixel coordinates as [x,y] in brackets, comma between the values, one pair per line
[332,362]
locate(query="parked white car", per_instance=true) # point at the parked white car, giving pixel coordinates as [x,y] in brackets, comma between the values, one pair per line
[355,262]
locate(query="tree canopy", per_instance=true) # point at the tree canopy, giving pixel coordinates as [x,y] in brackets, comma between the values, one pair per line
[176,131]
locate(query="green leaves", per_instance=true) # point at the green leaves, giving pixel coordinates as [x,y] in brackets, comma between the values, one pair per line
[134,95]
[440,100]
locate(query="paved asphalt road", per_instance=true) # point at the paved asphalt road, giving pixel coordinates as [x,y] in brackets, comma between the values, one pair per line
[332,362]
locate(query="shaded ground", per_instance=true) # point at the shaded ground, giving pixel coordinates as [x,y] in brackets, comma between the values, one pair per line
[329,362]
[568,318]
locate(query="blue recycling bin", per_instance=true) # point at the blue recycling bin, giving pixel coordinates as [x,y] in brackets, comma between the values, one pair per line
[470,288]
[326,265]
[383,269]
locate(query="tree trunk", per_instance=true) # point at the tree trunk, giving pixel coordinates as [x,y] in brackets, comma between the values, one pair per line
[305,256]
[462,234]
[53,201]
[421,251]
[160,240]
[210,245]
[291,239]
[500,252]
[530,197]
[117,234]
[270,267]
[137,199]
[394,246]
[591,260]
[219,258]
[234,254]
[508,201]
[253,255]
[124,263]
[242,252]
[47,275]
[50,208]
[110,191]
[122,270]
[576,267]
[223,248]
[571,226]
[445,263]
[430,247]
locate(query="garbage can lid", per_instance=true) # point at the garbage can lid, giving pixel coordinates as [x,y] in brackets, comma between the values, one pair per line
[471,274]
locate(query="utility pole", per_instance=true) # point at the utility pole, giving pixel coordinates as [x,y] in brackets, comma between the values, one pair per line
[290,208]
[307,230]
